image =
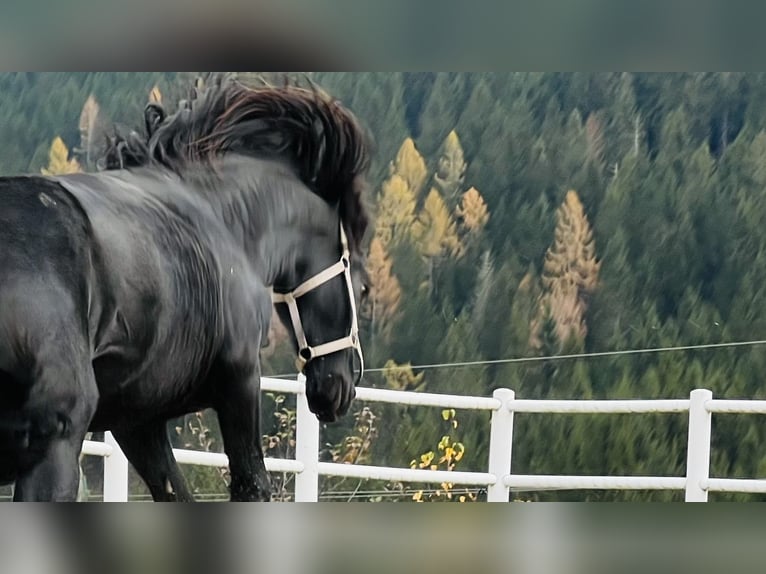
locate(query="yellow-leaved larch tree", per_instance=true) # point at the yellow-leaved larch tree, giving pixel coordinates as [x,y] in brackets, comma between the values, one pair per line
[570,275]
[59,162]
[395,212]
[411,166]
[382,305]
[436,233]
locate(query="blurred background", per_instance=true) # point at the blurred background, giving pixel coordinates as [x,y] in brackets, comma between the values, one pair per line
[516,216]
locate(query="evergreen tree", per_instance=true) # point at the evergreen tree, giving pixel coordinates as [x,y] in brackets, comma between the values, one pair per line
[377,98]
[482,301]
[91,131]
[624,127]
[440,112]
[450,169]
[481,108]
[417,87]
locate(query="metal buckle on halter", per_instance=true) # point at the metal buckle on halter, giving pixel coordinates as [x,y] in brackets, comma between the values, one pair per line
[306,352]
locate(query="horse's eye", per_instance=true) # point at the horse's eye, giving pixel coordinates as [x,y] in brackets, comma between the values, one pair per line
[365,291]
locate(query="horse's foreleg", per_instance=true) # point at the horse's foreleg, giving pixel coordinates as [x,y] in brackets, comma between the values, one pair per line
[148,449]
[55,478]
[238,408]
[60,407]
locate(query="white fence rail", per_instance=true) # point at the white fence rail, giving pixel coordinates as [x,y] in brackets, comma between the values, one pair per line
[499,479]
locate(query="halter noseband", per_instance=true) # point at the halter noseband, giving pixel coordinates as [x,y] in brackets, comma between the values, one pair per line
[305,351]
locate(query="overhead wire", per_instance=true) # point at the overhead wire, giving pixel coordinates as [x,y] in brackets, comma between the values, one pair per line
[540,359]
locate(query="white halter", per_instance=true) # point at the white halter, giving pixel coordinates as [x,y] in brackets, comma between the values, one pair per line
[306,352]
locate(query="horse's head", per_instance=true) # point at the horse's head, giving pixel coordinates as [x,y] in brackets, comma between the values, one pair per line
[320,311]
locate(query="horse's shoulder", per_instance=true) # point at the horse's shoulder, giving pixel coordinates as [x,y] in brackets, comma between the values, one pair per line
[246,311]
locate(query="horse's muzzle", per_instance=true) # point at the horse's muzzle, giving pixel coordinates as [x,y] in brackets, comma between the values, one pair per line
[330,396]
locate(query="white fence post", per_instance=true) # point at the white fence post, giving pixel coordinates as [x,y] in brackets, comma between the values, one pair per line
[115,472]
[698,450]
[306,448]
[500,446]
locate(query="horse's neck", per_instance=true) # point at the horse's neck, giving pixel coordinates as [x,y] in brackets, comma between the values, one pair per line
[272,214]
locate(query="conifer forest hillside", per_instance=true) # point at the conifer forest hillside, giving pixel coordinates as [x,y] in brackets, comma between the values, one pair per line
[515,216]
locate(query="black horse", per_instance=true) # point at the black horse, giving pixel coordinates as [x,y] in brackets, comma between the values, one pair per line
[144,292]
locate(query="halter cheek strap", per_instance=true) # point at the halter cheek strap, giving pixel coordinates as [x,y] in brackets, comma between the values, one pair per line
[305,351]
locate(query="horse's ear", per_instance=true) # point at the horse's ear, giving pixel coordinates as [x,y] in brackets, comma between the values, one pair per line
[154,115]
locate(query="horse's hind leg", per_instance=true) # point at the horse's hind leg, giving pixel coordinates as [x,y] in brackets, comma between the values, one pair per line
[62,400]
[148,449]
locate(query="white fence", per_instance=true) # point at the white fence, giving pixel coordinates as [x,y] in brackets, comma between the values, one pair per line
[498,480]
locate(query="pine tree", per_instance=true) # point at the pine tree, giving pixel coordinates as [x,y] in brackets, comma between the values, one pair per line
[502,141]
[625,130]
[733,231]
[90,129]
[565,147]
[440,112]
[480,110]
[59,162]
[417,87]
[484,287]
[377,99]
[524,302]
[594,133]
[664,217]
[461,344]
[450,170]
[611,316]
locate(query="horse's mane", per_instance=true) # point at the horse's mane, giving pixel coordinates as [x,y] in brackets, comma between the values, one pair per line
[320,138]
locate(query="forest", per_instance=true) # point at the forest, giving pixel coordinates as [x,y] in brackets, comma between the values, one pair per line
[517,218]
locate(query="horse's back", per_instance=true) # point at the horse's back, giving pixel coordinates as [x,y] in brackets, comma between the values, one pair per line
[39,222]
